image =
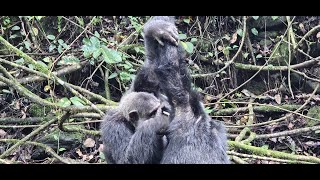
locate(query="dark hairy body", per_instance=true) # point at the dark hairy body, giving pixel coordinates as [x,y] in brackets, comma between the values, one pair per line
[192,136]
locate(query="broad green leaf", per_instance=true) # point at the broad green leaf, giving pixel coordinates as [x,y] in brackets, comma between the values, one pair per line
[97,53]
[110,56]
[245,55]
[15,28]
[64,102]
[240,32]
[186,21]
[27,44]
[13,36]
[60,41]
[113,75]
[96,34]
[6,91]
[42,64]
[254,31]
[55,137]
[62,149]
[69,60]
[30,66]
[20,61]
[274,17]
[46,59]
[193,40]
[95,42]
[77,101]
[124,76]
[60,49]
[52,47]
[182,36]
[255,17]
[51,37]
[189,47]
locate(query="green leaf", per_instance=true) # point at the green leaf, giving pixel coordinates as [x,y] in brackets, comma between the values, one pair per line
[77,101]
[240,32]
[110,56]
[95,42]
[15,28]
[64,102]
[60,41]
[245,55]
[42,64]
[27,44]
[46,59]
[60,49]
[97,53]
[51,37]
[52,47]
[113,75]
[13,36]
[186,21]
[254,31]
[193,40]
[210,54]
[96,34]
[274,17]
[255,17]
[182,36]
[30,66]
[55,137]
[235,46]
[20,61]
[189,47]
[6,91]
[62,149]
[259,56]
[124,76]
[208,110]
[69,60]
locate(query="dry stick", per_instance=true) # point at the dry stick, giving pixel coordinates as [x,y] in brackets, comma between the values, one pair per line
[227,64]
[74,123]
[263,108]
[13,120]
[48,149]
[272,153]
[276,68]
[267,158]
[60,72]
[275,49]
[277,107]
[290,34]
[284,117]
[23,140]
[44,70]
[238,160]
[288,133]
[34,98]
[306,35]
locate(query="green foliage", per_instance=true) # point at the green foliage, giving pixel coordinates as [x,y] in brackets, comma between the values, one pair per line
[255,17]
[254,31]
[135,23]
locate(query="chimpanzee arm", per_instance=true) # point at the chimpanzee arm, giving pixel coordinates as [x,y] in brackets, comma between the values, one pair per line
[156,30]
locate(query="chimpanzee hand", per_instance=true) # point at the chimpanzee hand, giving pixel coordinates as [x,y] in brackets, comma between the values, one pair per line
[161,29]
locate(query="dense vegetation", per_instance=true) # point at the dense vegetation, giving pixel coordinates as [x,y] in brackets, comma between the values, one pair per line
[258,74]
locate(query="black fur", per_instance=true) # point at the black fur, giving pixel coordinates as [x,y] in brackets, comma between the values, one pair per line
[123,142]
[193,137]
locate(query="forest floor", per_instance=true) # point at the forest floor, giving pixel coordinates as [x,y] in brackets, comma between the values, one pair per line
[258,74]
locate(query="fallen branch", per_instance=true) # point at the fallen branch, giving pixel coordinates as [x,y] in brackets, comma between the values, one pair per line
[272,153]
[48,149]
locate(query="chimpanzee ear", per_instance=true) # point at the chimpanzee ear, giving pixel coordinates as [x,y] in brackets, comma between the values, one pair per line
[133,116]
